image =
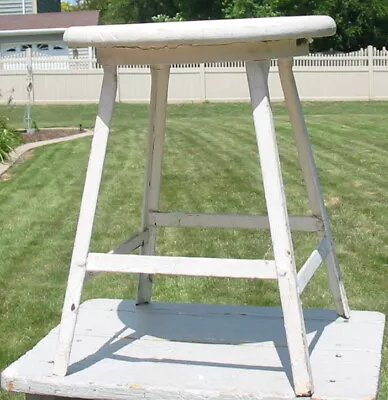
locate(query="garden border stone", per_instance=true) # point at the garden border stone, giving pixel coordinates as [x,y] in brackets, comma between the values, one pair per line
[24,148]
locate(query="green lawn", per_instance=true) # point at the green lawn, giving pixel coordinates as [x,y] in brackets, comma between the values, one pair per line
[210,165]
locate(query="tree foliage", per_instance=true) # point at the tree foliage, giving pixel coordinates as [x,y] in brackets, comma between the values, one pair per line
[165,18]
[359,22]
[248,9]
[67,6]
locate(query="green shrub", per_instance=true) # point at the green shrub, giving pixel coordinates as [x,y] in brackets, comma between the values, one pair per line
[35,126]
[9,138]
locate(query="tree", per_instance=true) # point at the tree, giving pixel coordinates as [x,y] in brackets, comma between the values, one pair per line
[359,22]
[67,6]
[199,9]
[130,11]
[165,18]
[248,9]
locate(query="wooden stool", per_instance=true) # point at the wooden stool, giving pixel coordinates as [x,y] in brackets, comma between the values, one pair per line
[181,331]
[255,41]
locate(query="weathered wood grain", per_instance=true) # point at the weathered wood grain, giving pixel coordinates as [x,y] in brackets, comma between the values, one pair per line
[257,73]
[196,33]
[204,53]
[153,175]
[312,264]
[85,220]
[230,221]
[131,244]
[189,266]
[310,173]
[196,352]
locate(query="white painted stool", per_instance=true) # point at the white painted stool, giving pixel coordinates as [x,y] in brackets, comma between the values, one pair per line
[255,41]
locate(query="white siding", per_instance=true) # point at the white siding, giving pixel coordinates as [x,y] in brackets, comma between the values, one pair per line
[24,39]
[15,7]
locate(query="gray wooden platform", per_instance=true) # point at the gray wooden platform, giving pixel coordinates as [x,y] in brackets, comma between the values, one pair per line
[192,351]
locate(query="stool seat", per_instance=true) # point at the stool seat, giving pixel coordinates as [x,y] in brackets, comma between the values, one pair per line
[167,43]
[201,32]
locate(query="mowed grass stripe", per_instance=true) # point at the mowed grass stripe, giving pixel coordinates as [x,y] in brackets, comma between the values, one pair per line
[211,165]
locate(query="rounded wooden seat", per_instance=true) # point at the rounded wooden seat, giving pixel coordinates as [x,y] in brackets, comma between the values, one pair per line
[201,41]
[201,32]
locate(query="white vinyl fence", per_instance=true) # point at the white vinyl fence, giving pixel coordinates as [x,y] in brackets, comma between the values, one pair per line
[361,75]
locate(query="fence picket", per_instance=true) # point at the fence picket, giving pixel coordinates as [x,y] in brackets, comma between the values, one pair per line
[369,68]
[353,59]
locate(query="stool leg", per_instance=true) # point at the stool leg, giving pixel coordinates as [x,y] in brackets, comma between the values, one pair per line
[156,132]
[85,220]
[257,73]
[310,173]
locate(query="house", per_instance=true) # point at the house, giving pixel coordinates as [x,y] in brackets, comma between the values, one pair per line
[42,32]
[29,6]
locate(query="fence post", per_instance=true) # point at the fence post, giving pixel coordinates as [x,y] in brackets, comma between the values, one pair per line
[202,79]
[370,73]
[90,55]
[30,77]
[118,94]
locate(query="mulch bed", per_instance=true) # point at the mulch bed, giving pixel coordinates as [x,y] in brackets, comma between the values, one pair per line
[50,133]
[43,134]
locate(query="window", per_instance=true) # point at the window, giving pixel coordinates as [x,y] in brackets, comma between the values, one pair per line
[55,49]
[42,47]
[26,46]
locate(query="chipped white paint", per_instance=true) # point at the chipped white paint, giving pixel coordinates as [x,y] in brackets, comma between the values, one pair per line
[312,264]
[153,175]
[195,33]
[131,244]
[175,351]
[257,73]
[310,173]
[201,41]
[204,53]
[85,220]
[230,221]
[189,266]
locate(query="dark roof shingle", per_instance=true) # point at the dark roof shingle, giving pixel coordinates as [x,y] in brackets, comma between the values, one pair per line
[48,20]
